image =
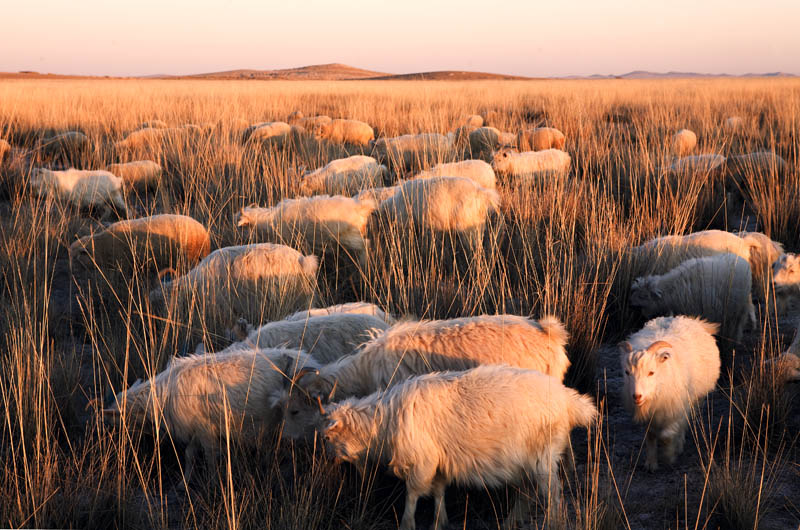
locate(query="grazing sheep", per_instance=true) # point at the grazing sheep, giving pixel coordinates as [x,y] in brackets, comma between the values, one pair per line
[347,132]
[376,195]
[697,164]
[670,365]
[717,288]
[154,137]
[540,138]
[414,348]
[352,308]
[345,176]
[662,254]
[477,171]
[271,132]
[308,123]
[258,282]
[442,203]
[140,175]
[749,173]
[757,164]
[786,281]
[484,141]
[82,188]
[207,400]
[509,161]
[70,144]
[683,143]
[327,337]
[483,427]
[451,209]
[163,241]
[316,223]
[154,124]
[413,150]
[734,123]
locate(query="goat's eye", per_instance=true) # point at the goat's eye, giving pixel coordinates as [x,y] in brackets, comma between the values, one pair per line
[627,372]
[651,373]
[294,412]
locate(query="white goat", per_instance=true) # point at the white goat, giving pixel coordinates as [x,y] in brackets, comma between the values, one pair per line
[670,365]
[482,427]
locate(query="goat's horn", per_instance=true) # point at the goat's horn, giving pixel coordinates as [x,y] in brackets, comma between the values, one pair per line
[659,344]
[319,404]
[299,375]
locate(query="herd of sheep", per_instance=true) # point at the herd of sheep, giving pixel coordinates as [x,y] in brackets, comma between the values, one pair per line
[474,401]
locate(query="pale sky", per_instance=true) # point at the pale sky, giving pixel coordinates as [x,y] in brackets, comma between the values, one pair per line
[553,38]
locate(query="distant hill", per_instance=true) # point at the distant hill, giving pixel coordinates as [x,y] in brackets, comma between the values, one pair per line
[317,72]
[644,74]
[28,74]
[343,72]
[450,75]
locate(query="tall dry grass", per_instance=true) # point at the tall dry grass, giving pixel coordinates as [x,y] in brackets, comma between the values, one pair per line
[558,248]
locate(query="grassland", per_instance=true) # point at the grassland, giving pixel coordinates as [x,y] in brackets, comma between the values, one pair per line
[66,339]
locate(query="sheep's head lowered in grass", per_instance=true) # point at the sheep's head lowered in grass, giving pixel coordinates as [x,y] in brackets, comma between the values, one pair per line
[79,253]
[645,294]
[500,161]
[786,279]
[136,406]
[300,402]
[39,180]
[251,215]
[348,432]
[786,269]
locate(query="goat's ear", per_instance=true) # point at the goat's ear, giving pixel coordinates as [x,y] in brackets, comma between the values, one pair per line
[625,347]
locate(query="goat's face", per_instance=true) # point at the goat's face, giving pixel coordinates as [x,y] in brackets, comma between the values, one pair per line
[641,369]
[301,415]
[786,269]
[345,437]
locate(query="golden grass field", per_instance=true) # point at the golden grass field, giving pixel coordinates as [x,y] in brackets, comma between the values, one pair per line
[68,339]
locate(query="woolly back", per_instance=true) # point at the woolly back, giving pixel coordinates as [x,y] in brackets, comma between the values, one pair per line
[412,348]
[256,282]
